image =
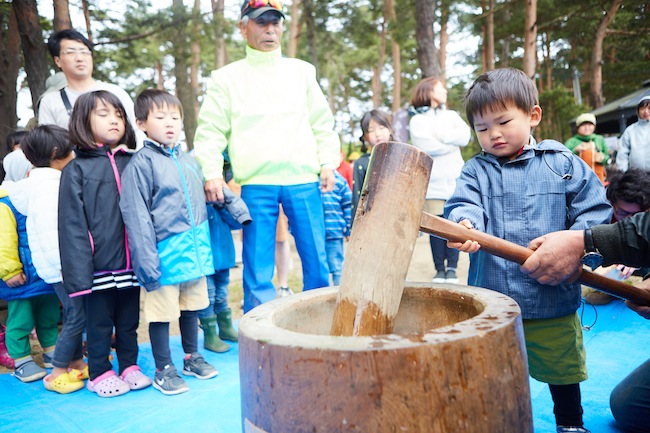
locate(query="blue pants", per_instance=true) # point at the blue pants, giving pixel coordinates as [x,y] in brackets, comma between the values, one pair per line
[69,344]
[630,400]
[441,252]
[217,293]
[335,258]
[303,206]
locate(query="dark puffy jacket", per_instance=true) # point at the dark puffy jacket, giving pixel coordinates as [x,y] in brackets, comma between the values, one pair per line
[92,237]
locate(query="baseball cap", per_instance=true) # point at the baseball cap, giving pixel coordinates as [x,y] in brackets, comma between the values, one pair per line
[255,8]
[585,118]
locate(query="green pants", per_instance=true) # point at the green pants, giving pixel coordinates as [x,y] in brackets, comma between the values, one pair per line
[41,312]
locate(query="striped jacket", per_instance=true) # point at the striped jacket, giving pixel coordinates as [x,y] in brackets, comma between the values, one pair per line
[337,206]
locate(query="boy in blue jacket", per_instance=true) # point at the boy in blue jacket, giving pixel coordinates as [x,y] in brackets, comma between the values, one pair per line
[518,189]
[163,207]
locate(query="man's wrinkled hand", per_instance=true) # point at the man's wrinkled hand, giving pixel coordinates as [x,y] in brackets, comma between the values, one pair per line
[213,189]
[556,258]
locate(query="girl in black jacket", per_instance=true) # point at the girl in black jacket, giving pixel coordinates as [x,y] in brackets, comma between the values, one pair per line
[95,257]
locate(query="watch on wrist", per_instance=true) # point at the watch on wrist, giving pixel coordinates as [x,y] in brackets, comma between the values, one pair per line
[592,256]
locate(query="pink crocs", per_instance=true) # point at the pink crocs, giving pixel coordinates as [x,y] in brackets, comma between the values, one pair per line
[135,378]
[108,384]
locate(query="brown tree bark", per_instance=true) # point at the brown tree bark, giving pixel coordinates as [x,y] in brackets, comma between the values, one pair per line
[61,15]
[183,88]
[397,77]
[596,62]
[310,26]
[489,36]
[34,50]
[444,36]
[86,9]
[425,13]
[219,29]
[376,84]
[530,38]
[10,65]
[294,29]
[195,49]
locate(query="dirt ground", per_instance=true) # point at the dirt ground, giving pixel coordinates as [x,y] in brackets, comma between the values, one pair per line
[421,269]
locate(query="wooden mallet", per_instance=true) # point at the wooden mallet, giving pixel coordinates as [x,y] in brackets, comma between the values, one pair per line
[388,220]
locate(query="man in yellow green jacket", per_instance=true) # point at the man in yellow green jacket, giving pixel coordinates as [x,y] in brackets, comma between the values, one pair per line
[272,116]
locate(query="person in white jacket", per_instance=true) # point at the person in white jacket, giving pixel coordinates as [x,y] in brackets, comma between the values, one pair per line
[440,133]
[49,150]
[634,144]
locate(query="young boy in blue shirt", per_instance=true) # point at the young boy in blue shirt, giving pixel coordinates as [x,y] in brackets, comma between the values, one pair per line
[518,189]
[163,207]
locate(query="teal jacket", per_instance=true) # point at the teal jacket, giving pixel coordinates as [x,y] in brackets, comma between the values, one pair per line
[272,115]
[163,207]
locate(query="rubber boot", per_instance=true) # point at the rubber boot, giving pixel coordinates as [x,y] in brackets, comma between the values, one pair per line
[211,340]
[5,359]
[226,331]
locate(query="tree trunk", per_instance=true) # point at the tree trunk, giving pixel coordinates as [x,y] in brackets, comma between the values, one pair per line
[183,89]
[489,37]
[10,64]
[61,15]
[596,62]
[308,17]
[397,78]
[376,71]
[86,9]
[195,62]
[294,29]
[425,13]
[160,82]
[219,29]
[34,50]
[444,36]
[530,38]
[505,51]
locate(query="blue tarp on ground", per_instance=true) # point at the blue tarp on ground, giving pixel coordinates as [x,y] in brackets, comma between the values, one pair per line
[616,344]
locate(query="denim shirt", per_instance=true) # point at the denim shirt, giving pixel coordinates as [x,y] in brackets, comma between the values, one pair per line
[544,189]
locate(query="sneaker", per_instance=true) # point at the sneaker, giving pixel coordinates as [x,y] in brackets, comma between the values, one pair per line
[196,366]
[594,297]
[450,277]
[439,278]
[283,292]
[47,361]
[29,372]
[571,429]
[169,382]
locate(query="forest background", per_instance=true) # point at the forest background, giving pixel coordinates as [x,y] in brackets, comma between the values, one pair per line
[368,54]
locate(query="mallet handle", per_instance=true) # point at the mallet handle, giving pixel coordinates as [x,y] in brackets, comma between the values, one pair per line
[455,232]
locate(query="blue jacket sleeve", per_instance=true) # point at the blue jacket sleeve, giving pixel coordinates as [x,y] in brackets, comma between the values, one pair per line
[135,205]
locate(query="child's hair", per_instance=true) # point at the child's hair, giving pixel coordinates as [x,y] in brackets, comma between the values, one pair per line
[379,117]
[146,100]
[497,89]
[632,186]
[81,132]
[422,93]
[54,42]
[46,143]
[14,138]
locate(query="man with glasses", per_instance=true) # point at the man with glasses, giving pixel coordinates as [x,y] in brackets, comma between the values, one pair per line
[73,54]
[271,114]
